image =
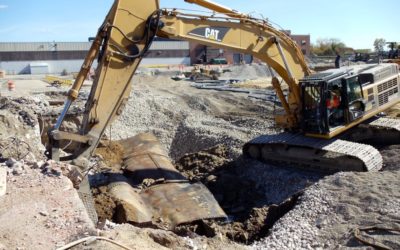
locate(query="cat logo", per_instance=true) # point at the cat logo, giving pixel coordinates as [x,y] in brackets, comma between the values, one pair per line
[216,34]
[212,34]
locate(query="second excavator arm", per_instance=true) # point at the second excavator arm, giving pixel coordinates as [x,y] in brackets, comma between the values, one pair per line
[125,37]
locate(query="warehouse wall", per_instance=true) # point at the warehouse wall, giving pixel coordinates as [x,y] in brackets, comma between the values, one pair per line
[56,67]
[15,58]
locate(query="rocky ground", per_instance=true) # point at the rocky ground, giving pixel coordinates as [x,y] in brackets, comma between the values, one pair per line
[269,207]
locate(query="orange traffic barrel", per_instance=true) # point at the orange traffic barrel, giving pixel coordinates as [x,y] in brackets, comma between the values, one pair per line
[11,85]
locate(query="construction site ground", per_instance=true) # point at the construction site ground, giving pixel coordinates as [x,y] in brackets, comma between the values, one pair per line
[268,207]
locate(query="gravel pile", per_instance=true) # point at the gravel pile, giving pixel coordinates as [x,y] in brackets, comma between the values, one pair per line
[187,123]
[330,211]
[278,183]
[247,72]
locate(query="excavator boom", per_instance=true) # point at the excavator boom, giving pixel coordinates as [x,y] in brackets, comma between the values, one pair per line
[126,35]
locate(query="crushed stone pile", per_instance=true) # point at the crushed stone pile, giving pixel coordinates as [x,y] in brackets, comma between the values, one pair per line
[247,72]
[329,212]
[187,123]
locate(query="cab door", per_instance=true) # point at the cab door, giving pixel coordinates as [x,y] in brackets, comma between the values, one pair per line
[354,99]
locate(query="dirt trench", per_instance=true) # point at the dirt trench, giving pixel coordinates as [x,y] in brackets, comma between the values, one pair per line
[250,216]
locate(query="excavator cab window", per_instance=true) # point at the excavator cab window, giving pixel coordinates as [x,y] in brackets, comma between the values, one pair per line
[314,112]
[355,107]
[323,105]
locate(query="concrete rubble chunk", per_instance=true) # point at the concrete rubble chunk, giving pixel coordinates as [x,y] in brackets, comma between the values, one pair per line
[18,168]
[10,162]
[37,164]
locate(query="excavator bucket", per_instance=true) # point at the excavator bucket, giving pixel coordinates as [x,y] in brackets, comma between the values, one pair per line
[152,191]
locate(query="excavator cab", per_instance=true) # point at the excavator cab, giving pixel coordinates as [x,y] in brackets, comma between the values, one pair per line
[331,100]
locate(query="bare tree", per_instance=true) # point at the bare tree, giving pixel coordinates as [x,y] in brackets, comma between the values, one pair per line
[379,45]
[328,47]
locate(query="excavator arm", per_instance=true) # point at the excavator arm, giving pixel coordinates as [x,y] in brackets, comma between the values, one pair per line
[126,35]
[249,36]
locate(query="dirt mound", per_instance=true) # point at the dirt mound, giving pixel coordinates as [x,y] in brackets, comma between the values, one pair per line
[112,154]
[199,166]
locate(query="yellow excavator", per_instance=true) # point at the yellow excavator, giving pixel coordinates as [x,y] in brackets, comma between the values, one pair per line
[325,115]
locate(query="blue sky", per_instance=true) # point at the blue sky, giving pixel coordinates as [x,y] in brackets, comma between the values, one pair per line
[355,22]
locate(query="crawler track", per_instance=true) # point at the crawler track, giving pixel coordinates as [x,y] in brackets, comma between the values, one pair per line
[385,122]
[294,149]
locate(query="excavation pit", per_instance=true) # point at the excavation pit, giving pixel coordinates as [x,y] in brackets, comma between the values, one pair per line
[250,213]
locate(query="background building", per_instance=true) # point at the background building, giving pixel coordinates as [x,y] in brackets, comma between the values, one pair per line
[303,41]
[55,57]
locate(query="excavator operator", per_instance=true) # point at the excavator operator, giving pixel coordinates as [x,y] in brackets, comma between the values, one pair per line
[333,104]
[334,101]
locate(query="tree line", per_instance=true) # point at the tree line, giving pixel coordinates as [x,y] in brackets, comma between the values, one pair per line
[333,46]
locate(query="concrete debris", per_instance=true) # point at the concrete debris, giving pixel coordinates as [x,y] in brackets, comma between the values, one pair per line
[53,168]
[15,167]
[10,162]
[37,164]
[18,168]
